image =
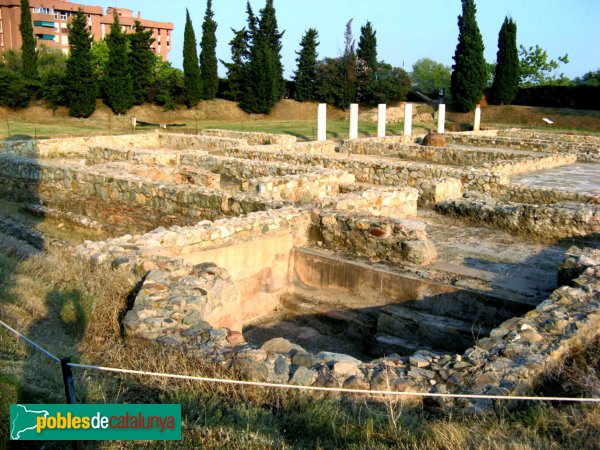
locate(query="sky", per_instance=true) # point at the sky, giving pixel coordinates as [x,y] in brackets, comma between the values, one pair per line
[407,30]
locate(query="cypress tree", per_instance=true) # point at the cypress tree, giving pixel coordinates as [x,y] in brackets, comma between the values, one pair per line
[81,86]
[208,55]
[28,48]
[506,80]
[235,69]
[306,73]
[367,46]
[118,85]
[469,76]
[348,66]
[258,86]
[268,28]
[142,62]
[191,69]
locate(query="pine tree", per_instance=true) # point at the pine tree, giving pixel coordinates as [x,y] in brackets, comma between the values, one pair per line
[142,62]
[469,76]
[118,84]
[263,83]
[81,86]
[208,55]
[306,73]
[29,55]
[235,69]
[367,46]
[506,79]
[191,69]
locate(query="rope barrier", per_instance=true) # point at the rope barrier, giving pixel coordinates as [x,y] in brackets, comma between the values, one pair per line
[303,388]
[33,344]
[329,389]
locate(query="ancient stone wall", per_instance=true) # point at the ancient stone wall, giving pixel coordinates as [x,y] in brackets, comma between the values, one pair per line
[253,138]
[302,188]
[389,202]
[519,193]
[179,141]
[116,186]
[543,221]
[382,172]
[587,148]
[377,239]
[76,147]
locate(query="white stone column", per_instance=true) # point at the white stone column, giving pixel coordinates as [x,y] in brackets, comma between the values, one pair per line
[354,121]
[477,122]
[441,118]
[322,122]
[408,108]
[381,119]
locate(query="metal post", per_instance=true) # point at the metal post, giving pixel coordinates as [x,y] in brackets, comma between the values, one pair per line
[68,381]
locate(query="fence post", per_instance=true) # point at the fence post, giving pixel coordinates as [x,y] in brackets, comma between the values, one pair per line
[67,375]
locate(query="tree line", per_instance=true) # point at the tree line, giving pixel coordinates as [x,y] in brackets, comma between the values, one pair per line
[255,78]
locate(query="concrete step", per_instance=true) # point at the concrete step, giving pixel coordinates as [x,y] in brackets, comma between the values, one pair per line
[440,332]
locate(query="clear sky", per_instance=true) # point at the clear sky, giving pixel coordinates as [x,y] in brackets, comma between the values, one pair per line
[406,29]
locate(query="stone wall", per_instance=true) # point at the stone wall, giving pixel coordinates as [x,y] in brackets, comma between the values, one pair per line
[100,155]
[380,172]
[117,187]
[254,137]
[519,193]
[389,202]
[178,141]
[587,148]
[303,188]
[531,164]
[543,221]
[76,147]
[375,145]
[377,239]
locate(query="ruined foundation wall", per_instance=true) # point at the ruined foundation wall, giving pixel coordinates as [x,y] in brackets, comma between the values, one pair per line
[50,180]
[376,239]
[587,148]
[543,221]
[254,137]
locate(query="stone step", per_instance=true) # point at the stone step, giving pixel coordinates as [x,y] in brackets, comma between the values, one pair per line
[440,332]
[512,290]
[387,345]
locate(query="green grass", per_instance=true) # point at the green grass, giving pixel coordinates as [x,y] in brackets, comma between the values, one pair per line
[302,129]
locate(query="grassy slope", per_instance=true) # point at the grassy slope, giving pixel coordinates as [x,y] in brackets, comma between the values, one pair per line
[290,117]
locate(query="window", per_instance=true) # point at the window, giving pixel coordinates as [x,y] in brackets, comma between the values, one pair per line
[56,15]
[43,23]
[63,15]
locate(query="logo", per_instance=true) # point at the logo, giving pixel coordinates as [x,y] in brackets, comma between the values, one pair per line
[95,422]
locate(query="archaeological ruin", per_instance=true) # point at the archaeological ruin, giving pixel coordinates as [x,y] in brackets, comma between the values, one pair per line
[370,263]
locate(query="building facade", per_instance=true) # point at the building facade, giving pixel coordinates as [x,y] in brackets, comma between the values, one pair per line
[50,19]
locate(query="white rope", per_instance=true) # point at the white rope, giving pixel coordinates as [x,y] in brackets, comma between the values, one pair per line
[33,344]
[328,389]
[304,388]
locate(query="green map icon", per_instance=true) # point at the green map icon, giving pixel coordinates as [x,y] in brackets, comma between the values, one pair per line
[23,420]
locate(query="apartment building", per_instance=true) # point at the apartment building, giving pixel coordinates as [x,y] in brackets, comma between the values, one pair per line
[50,19]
